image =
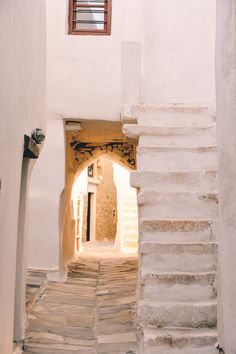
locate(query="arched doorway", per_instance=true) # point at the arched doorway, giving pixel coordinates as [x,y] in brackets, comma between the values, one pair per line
[86,142]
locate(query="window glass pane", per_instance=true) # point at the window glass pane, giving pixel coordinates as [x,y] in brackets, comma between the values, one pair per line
[92,18]
[88,26]
[90,2]
[89,17]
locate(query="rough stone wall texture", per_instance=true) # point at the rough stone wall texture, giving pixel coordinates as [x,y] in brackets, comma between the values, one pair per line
[106,202]
[122,151]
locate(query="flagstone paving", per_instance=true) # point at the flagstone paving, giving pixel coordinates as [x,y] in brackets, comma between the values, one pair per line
[93,311]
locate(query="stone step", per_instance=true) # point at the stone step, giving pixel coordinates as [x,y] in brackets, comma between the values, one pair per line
[168,158]
[130,240]
[36,283]
[128,194]
[130,226]
[131,235]
[177,230]
[129,204]
[130,245]
[178,314]
[175,115]
[179,257]
[172,135]
[126,213]
[177,236]
[175,286]
[176,341]
[170,108]
[177,225]
[130,210]
[178,204]
[175,181]
[35,348]
[128,217]
[178,141]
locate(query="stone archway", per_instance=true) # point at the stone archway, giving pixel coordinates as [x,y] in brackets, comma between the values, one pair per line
[90,141]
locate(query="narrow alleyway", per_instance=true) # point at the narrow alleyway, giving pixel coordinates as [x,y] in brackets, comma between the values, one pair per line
[92,312]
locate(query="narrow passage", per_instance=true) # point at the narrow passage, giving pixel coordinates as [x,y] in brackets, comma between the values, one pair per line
[92,312]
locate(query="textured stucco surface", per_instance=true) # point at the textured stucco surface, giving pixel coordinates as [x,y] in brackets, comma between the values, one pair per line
[106,219]
[22,101]
[226,115]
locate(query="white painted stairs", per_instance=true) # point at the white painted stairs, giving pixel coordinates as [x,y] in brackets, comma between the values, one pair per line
[177,200]
[129,221]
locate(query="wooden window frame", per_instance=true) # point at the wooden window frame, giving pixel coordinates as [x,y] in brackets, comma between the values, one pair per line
[107,18]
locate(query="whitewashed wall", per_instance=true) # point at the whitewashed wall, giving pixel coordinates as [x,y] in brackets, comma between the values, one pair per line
[226,114]
[84,72]
[22,101]
[178,51]
[46,186]
[160,53]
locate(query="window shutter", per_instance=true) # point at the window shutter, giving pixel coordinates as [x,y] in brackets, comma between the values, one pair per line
[90,17]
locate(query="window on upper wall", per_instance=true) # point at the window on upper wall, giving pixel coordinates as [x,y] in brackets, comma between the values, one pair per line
[90,17]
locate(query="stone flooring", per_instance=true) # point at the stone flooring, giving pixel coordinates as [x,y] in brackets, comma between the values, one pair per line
[35,285]
[93,311]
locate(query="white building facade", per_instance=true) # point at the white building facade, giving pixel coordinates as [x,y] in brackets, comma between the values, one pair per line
[155,72]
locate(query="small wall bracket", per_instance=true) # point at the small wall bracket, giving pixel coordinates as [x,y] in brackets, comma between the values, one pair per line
[219,348]
[31,149]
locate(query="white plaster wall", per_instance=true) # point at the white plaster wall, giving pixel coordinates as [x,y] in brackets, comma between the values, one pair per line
[22,101]
[160,53]
[84,72]
[226,113]
[84,80]
[80,185]
[178,51]
[47,184]
[89,76]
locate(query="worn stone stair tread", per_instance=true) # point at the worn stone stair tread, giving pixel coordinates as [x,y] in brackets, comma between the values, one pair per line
[177,149]
[160,129]
[36,282]
[174,338]
[148,196]
[117,338]
[50,338]
[181,332]
[178,286]
[73,316]
[171,224]
[152,277]
[182,256]
[194,180]
[153,246]
[148,274]
[180,303]
[179,314]
[46,350]
[173,205]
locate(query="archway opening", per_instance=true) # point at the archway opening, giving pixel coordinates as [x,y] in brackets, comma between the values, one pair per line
[87,142]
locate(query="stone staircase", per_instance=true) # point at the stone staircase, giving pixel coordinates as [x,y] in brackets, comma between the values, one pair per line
[129,221]
[177,199]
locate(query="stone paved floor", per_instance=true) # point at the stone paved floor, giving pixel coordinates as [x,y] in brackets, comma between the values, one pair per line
[92,312]
[35,285]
